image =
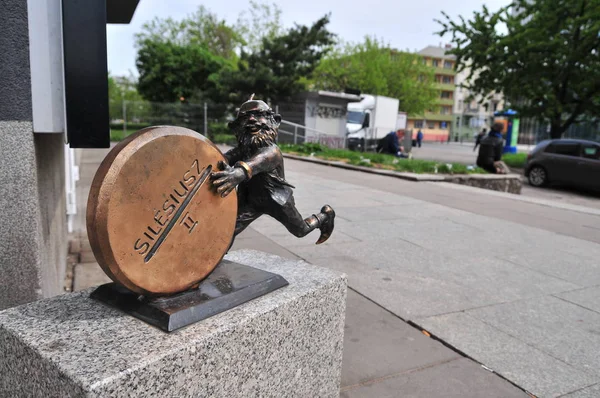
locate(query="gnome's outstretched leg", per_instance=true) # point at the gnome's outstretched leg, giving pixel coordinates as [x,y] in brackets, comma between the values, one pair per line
[289,216]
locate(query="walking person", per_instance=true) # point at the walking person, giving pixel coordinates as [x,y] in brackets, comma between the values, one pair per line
[479,138]
[419,138]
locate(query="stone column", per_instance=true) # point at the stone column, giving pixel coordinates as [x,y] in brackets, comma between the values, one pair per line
[32,192]
[287,343]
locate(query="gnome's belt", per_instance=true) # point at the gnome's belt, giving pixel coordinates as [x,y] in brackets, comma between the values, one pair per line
[247,169]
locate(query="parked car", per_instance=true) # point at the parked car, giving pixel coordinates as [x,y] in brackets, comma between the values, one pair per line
[565,161]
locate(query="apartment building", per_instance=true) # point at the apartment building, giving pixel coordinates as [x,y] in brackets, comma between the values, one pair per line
[437,121]
[472,112]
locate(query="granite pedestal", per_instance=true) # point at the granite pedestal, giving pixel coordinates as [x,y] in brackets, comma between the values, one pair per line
[287,343]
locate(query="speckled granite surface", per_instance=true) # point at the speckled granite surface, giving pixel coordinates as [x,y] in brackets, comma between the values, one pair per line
[287,343]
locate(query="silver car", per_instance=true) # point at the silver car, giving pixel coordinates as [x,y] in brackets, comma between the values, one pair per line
[565,161]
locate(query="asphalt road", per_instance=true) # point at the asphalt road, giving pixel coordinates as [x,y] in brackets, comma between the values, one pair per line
[463,153]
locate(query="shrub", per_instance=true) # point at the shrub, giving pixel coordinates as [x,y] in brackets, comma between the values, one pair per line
[515,159]
[369,159]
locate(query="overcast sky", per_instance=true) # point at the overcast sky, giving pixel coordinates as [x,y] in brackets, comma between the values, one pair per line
[405,24]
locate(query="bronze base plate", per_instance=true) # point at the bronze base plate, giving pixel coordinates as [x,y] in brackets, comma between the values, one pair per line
[228,286]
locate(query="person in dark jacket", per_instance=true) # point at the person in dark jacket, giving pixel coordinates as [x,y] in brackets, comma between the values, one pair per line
[419,138]
[391,144]
[479,138]
[490,151]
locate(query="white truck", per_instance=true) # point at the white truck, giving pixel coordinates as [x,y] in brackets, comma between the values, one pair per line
[370,120]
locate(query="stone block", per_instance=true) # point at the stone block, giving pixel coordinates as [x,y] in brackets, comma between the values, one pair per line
[510,183]
[287,343]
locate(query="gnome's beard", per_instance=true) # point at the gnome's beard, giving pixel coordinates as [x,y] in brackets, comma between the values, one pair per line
[264,137]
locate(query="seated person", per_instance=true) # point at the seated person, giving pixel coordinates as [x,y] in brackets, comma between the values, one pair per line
[490,151]
[391,144]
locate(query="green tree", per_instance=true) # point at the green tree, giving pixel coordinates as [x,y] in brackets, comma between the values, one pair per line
[259,21]
[547,63]
[180,59]
[170,71]
[279,69]
[176,59]
[202,29]
[375,68]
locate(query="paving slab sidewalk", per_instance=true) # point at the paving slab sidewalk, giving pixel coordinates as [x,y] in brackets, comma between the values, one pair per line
[480,272]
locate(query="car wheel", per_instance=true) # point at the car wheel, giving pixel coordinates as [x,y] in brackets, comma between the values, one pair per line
[538,176]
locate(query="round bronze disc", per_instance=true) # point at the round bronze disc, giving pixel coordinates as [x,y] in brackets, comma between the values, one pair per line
[154,221]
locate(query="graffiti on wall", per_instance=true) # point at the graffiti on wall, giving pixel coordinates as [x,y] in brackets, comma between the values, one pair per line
[326,111]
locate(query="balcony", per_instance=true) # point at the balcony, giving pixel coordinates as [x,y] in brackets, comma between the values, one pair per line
[445,101]
[445,71]
[445,86]
[433,117]
[473,111]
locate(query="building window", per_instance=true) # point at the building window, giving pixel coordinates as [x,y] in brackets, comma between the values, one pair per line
[431,125]
[446,94]
[418,124]
[444,125]
[447,80]
[435,63]
[447,65]
[495,106]
[445,110]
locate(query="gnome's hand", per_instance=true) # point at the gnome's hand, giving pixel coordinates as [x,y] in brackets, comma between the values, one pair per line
[225,181]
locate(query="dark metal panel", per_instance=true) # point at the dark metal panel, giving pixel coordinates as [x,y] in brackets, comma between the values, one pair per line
[86,73]
[120,11]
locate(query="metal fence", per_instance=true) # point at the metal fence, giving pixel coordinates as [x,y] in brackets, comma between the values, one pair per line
[583,131]
[294,133]
[134,115]
[210,120]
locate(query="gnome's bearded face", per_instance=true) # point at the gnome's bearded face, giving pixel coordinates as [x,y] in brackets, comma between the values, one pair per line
[256,125]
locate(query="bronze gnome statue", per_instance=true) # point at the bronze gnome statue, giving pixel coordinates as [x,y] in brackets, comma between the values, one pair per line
[255,167]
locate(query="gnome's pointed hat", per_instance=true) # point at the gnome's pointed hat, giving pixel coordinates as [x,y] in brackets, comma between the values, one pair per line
[253,105]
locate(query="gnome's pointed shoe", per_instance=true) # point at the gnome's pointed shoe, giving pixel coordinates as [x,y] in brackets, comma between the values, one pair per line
[326,218]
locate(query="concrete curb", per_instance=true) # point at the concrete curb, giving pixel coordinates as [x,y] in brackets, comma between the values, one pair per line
[398,174]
